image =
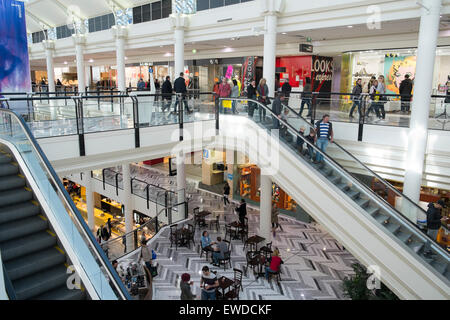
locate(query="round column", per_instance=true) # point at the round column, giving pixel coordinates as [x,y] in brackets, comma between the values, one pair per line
[89,200]
[127,202]
[80,40]
[418,132]
[265,222]
[270,46]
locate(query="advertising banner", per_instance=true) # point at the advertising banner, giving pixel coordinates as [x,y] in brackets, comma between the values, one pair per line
[321,74]
[14,66]
[248,71]
[395,69]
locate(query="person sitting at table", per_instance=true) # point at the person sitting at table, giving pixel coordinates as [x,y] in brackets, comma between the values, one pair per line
[185,286]
[275,263]
[219,251]
[206,240]
[208,283]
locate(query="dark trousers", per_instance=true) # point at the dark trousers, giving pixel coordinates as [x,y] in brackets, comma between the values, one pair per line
[262,114]
[166,104]
[185,104]
[405,105]
[241,220]
[306,101]
[379,110]
[225,199]
[356,103]
[251,109]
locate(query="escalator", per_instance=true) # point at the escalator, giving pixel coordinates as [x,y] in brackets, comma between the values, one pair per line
[345,204]
[47,250]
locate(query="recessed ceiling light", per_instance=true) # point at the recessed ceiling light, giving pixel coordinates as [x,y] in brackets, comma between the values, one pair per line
[65,62]
[283,33]
[91,60]
[126,58]
[168,54]
[194,50]
[349,26]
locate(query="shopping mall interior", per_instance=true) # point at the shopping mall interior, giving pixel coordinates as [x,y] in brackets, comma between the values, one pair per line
[224,150]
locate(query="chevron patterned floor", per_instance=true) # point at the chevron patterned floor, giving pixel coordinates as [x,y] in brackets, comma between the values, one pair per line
[314,263]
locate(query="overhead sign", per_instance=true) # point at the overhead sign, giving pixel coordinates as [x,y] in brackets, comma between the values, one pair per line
[304,47]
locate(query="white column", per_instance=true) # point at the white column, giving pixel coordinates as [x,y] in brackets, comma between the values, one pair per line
[49,46]
[120,33]
[265,222]
[270,9]
[181,186]
[179,22]
[418,132]
[126,199]
[80,40]
[270,46]
[89,200]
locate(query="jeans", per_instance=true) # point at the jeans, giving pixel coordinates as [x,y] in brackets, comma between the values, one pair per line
[262,114]
[433,235]
[268,270]
[308,103]
[251,109]
[405,105]
[208,295]
[166,104]
[276,123]
[216,256]
[311,152]
[225,199]
[185,104]
[356,103]
[322,144]
[233,106]
[379,106]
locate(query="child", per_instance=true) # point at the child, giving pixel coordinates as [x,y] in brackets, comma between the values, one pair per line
[311,139]
[300,141]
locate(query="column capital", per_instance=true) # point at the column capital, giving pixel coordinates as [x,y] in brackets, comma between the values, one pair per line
[119,32]
[79,39]
[48,44]
[271,7]
[179,21]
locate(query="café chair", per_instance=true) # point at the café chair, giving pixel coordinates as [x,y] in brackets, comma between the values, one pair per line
[225,260]
[252,260]
[267,250]
[215,222]
[234,293]
[174,239]
[238,277]
[243,231]
[206,251]
[251,245]
[276,275]
[228,231]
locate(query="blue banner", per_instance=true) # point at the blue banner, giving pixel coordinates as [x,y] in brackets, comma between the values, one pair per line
[14,60]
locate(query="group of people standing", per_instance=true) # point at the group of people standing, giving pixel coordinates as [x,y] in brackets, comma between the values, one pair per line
[377,96]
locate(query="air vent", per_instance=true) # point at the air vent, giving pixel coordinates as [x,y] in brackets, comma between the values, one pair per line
[223,20]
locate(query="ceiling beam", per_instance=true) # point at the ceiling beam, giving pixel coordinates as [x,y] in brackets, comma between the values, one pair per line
[114,3]
[43,24]
[66,10]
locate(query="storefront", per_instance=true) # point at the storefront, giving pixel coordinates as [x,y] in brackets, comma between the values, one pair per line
[394,64]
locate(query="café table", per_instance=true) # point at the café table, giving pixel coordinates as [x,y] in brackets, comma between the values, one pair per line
[225,283]
[183,235]
[237,225]
[202,215]
[254,240]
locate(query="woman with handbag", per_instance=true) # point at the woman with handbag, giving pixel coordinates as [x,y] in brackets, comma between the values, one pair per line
[263,91]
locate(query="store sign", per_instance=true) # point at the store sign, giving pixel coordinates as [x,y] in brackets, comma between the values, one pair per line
[146,64]
[304,47]
[230,176]
[321,74]
[249,70]
[205,153]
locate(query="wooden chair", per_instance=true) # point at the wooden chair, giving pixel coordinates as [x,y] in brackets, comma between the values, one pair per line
[244,233]
[205,251]
[191,235]
[228,231]
[238,277]
[267,250]
[215,222]
[276,275]
[174,236]
[251,260]
[251,246]
[228,244]
[225,260]
[234,293]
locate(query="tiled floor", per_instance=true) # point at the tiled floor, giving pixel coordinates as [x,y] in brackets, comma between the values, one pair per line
[314,263]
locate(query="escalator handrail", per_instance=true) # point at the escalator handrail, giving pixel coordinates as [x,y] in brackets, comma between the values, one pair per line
[57,184]
[387,184]
[8,284]
[376,198]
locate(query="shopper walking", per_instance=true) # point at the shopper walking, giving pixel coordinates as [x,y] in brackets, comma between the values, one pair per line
[251,94]
[277,107]
[141,85]
[324,131]
[274,218]
[263,92]
[166,92]
[356,97]
[286,89]
[185,286]
[109,227]
[157,89]
[146,254]
[224,92]
[234,94]
[381,89]
[226,194]
[180,89]
[242,211]
[208,283]
[306,97]
[405,90]
[374,98]
[434,216]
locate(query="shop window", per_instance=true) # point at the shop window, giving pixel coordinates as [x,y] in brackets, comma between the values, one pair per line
[230,2]
[146,13]
[202,5]
[137,14]
[156,10]
[216,3]
[64,32]
[39,36]
[166,8]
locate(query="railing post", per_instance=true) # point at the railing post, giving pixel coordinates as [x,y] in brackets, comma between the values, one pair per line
[117,183]
[313,106]
[137,136]
[80,127]
[103,178]
[156,224]
[148,196]
[217,111]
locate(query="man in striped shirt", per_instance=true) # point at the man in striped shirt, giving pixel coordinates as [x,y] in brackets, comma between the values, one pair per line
[324,130]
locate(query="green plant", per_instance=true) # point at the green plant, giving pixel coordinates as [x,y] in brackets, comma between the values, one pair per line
[355,287]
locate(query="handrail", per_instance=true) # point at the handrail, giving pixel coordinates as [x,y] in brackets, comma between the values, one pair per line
[349,176]
[387,184]
[57,184]
[6,289]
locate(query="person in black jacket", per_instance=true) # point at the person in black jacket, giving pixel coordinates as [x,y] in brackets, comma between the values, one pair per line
[166,92]
[242,211]
[433,223]
[405,90]
[286,90]
[226,193]
[277,107]
[180,88]
[251,94]
[356,97]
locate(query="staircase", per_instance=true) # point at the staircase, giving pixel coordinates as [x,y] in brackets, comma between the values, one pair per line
[34,261]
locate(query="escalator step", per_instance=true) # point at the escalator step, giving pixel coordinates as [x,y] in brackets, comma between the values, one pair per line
[403,236]
[381,218]
[34,263]
[372,210]
[20,228]
[392,227]
[334,179]
[415,246]
[8,169]
[11,182]
[62,293]
[362,202]
[440,266]
[39,283]
[5,159]
[26,245]
[18,211]
[353,194]
[343,186]
[14,196]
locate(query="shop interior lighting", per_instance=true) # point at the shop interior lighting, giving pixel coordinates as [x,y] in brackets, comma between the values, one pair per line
[91,60]
[349,26]
[65,62]
[283,33]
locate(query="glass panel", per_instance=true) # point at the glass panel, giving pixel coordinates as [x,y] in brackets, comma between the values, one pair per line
[202,5]
[156,10]
[216,3]
[146,15]
[364,187]
[137,14]
[85,253]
